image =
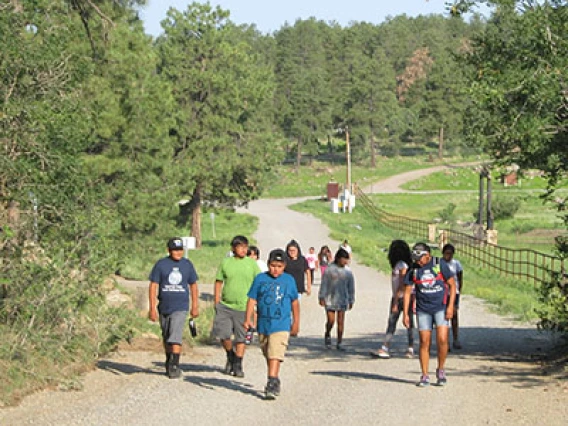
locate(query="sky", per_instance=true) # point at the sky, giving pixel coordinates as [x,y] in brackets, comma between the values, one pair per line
[270,15]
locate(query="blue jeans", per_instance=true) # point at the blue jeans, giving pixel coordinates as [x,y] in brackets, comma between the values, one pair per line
[427,320]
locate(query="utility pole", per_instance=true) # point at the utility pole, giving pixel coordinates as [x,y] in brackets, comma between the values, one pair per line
[348,154]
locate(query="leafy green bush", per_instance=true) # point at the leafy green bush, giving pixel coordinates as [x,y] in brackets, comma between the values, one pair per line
[505,208]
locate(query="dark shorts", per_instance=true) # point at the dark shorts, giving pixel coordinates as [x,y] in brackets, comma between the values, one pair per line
[457,302]
[229,322]
[172,327]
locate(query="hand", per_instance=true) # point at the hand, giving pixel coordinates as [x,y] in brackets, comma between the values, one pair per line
[309,291]
[449,313]
[406,320]
[295,329]
[153,315]
[350,306]
[194,312]
[248,324]
[322,302]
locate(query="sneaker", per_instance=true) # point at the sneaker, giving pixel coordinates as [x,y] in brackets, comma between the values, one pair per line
[457,344]
[277,387]
[327,341]
[410,353]
[238,368]
[271,390]
[383,352]
[174,372]
[424,381]
[441,376]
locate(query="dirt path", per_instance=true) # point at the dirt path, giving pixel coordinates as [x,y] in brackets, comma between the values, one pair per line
[493,380]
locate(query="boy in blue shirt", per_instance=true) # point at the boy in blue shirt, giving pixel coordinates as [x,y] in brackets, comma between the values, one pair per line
[275,295]
[172,280]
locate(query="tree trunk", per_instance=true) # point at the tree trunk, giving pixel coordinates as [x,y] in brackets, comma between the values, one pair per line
[299,154]
[196,215]
[441,143]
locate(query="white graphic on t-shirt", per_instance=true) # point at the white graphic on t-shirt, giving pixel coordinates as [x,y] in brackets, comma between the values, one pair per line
[174,279]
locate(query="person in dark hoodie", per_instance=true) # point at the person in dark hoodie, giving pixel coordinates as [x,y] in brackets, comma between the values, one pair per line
[297,266]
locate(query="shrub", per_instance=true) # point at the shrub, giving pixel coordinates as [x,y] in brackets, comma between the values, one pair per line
[505,208]
[447,214]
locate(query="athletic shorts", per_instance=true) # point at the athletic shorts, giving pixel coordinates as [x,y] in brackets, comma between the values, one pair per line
[273,346]
[229,322]
[172,327]
[426,320]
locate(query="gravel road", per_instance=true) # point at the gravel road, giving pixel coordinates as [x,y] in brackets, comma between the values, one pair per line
[494,379]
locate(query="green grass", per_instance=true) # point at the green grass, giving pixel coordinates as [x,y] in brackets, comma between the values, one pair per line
[312,180]
[467,178]
[370,240]
[206,260]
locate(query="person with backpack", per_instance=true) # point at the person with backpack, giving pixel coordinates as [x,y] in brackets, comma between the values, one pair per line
[435,297]
[400,260]
[457,270]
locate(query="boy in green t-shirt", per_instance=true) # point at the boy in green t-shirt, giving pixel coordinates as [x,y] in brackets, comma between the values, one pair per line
[232,283]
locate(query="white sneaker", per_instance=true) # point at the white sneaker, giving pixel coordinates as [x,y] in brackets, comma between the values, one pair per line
[410,353]
[383,352]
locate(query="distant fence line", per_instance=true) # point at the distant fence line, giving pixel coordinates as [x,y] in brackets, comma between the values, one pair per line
[525,264]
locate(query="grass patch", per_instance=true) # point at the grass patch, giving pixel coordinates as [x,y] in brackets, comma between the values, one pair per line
[370,240]
[311,180]
[150,248]
[467,178]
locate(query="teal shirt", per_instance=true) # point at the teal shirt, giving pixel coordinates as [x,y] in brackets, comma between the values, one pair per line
[237,275]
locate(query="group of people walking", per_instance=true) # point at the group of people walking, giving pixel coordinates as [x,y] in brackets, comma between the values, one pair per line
[250,296]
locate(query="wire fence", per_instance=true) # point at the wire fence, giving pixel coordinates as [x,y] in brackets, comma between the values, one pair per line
[524,264]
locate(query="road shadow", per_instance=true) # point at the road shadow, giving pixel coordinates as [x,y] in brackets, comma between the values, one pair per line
[351,375]
[212,383]
[119,368]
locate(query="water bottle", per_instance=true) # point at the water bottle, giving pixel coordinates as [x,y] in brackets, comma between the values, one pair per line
[249,336]
[192,327]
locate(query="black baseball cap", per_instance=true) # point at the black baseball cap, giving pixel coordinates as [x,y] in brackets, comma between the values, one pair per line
[175,244]
[278,255]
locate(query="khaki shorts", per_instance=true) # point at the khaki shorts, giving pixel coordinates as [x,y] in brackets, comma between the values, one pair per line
[274,345]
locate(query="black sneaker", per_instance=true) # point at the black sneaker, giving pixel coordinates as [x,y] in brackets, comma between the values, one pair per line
[277,387]
[238,368]
[174,372]
[271,390]
[229,366]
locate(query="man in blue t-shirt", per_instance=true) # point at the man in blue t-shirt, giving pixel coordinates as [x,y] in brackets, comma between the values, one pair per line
[275,295]
[170,282]
[435,296]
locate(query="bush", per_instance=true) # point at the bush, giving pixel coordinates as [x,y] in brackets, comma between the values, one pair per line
[447,214]
[505,208]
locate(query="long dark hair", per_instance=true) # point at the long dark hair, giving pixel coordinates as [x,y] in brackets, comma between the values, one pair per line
[399,250]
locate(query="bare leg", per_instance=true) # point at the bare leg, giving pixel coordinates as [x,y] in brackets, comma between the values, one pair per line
[340,326]
[425,337]
[330,322]
[273,367]
[442,342]
[240,350]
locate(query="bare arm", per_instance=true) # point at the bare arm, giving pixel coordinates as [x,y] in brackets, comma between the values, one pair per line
[251,303]
[194,300]
[152,294]
[308,282]
[217,291]
[406,305]
[450,307]
[296,318]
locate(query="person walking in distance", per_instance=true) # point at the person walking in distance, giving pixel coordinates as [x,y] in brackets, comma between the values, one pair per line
[400,260]
[337,295]
[313,263]
[173,282]
[254,252]
[232,283]
[324,258]
[457,271]
[275,296]
[297,266]
[435,298]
